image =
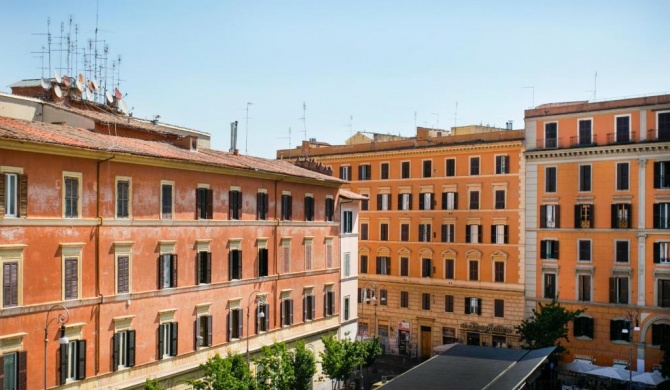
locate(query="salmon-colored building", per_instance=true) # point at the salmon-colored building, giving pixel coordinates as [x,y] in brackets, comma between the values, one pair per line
[598,224]
[440,238]
[150,256]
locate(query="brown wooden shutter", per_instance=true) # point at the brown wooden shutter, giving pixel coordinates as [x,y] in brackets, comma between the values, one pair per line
[23,370]
[160,342]
[2,194]
[130,341]
[63,363]
[81,359]
[23,195]
[115,352]
[198,204]
[174,336]
[210,204]
[160,272]
[209,330]
[196,331]
[175,267]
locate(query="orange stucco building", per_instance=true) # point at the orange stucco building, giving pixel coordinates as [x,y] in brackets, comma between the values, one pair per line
[597,223]
[440,238]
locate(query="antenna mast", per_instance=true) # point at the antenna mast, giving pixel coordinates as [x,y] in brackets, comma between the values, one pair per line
[437,114]
[304,118]
[456,115]
[595,85]
[246,131]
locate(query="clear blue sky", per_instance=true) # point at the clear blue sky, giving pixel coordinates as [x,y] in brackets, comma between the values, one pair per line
[198,63]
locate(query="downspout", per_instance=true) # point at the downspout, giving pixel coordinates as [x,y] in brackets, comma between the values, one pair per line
[339,242]
[275,235]
[97,266]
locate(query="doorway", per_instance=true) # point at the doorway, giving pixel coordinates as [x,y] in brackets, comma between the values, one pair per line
[473,338]
[426,342]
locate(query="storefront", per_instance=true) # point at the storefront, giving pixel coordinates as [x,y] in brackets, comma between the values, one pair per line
[474,333]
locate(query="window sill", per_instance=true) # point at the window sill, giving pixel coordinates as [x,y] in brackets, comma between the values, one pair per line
[583,338]
[620,342]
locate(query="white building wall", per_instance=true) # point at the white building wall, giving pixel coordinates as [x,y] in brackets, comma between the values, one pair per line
[349,283]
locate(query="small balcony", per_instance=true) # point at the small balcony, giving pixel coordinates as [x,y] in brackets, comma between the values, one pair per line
[621,138]
[658,135]
[612,138]
[581,142]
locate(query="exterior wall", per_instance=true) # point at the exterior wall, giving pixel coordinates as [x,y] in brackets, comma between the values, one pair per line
[602,154]
[349,283]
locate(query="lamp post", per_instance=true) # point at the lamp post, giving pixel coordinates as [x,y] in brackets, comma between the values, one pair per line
[630,317]
[62,318]
[260,299]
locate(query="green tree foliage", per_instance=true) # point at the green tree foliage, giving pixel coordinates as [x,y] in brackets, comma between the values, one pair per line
[340,358]
[372,350]
[665,363]
[547,326]
[304,364]
[282,369]
[152,384]
[229,373]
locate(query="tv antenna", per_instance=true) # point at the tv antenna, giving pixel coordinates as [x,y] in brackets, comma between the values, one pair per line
[595,85]
[246,131]
[415,120]
[304,118]
[48,52]
[351,124]
[289,142]
[438,119]
[456,115]
[532,105]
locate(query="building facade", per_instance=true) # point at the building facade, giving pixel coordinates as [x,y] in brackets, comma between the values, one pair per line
[349,205]
[598,224]
[440,238]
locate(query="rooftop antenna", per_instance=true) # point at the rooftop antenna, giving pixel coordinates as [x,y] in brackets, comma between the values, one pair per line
[437,125]
[41,57]
[48,34]
[414,119]
[351,124]
[456,115]
[304,118]
[595,85]
[532,101]
[95,39]
[246,131]
[289,142]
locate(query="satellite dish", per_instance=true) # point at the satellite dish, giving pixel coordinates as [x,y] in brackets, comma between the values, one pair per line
[91,87]
[66,81]
[79,86]
[109,97]
[57,76]
[95,84]
[58,92]
[123,107]
[118,94]
[88,95]
[83,94]
[81,78]
[46,85]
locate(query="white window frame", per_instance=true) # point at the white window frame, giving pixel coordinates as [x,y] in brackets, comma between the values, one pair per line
[130,196]
[79,177]
[544,128]
[123,248]
[70,251]
[545,179]
[630,127]
[11,194]
[479,165]
[160,206]
[346,169]
[579,120]
[13,254]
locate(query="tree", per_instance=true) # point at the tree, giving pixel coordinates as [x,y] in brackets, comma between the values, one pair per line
[340,358]
[229,373]
[547,326]
[665,363]
[282,369]
[372,350]
[304,364]
[152,384]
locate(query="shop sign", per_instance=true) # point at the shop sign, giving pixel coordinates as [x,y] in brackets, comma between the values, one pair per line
[402,325]
[486,328]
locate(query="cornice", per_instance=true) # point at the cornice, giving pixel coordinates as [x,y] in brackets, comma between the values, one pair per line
[600,151]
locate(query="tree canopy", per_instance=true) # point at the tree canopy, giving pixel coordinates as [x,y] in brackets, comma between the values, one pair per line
[547,326]
[229,373]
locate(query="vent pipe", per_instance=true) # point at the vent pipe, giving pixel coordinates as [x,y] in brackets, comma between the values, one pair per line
[233,137]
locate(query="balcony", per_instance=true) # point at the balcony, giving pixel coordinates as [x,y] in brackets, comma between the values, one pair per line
[658,135]
[580,142]
[621,138]
[611,138]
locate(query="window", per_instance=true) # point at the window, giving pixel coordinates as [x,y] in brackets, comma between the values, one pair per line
[549,249]
[618,290]
[660,334]
[347,221]
[622,129]
[123,354]
[585,132]
[286,207]
[449,303]
[617,327]
[383,265]
[365,203]
[14,188]
[663,120]
[404,167]
[450,168]
[550,179]
[330,209]
[584,288]
[426,201]
[235,204]
[499,234]
[474,166]
[662,174]
[329,303]
[499,271]
[73,361]
[499,308]
[71,197]
[235,264]
[473,234]
[123,198]
[383,201]
[383,297]
[500,199]
[449,200]
[404,266]
[427,168]
[235,320]
[364,172]
[424,232]
[286,312]
[621,251]
[309,208]
[404,299]
[384,232]
[473,306]
[621,214]
[405,202]
[622,176]
[473,270]
[585,178]
[661,215]
[345,172]
[549,286]
[583,327]
[308,308]
[551,135]
[166,201]
[364,264]
[426,268]
[502,165]
[203,263]
[262,206]
[550,216]
[584,216]
[10,284]
[584,248]
[364,232]
[425,301]
[204,200]
[384,171]
[404,232]
[474,200]
[346,308]
[449,265]
[13,365]
[71,280]
[662,252]
[447,233]
[663,293]
[347,265]
[263,262]
[167,271]
[203,329]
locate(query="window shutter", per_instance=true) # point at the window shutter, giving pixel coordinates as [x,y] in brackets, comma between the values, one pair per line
[239,204]
[304,308]
[290,207]
[614,330]
[23,195]
[240,326]
[629,222]
[115,352]
[555,251]
[360,172]
[238,257]
[480,234]
[558,216]
[543,216]
[506,159]
[624,290]
[259,204]
[613,290]
[379,201]
[282,311]
[657,252]
[208,265]
[657,174]
[198,204]
[313,307]
[196,331]
[23,370]
[506,233]
[467,233]
[614,216]
[174,337]
[257,328]
[232,204]
[657,215]
[422,205]
[592,216]
[444,200]
[578,216]
[209,330]
[63,363]
[410,201]
[479,306]
[175,267]
[160,342]
[229,319]
[400,196]
[198,268]
[432,201]
[131,348]
[210,204]
[231,260]
[266,311]
[290,306]
[81,359]
[493,234]
[467,305]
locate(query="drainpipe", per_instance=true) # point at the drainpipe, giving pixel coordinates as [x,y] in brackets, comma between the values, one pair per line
[275,234]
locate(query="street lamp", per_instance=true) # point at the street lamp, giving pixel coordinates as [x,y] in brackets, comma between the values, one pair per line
[62,318]
[630,316]
[260,300]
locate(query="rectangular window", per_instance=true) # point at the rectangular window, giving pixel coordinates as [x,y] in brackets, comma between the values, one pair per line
[346,308]
[474,166]
[383,297]
[262,321]
[345,172]
[204,267]
[426,201]
[286,207]
[662,252]
[364,172]
[73,361]
[621,215]
[662,174]
[585,178]
[449,303]
[499,308]
[549,286]
[122,198]
[286,312]
[450,169]
[622,129]
[204,203]
[621,254]
[383,265]
[235,264]
[235,204]
[71,278]
[308,308]
[364,264]
[14,188]
[426,268]
[167,271]
[384,232]
[549,249]
[405,168]
[663,293]
[584,247]
[585,136]
[404,232]
[473,270]
[500,199]
[619,290]
[660,334]
[661,215]
[309,208]
[583,327]
[330,209]
[474,200]
[584,288]
[13,365]
[203,329]
[499,271]
[262,205]
[449,265]
[384,171]
[473,234]
[329,303]
[617,328]
[71,197]
[447,233]
[404,299]
[235,320]
[263,262]
[425,301]
[10,284]
[584,216]
[123,354]
[166,201]
[347,221]
[364,232]
[427,168]
[473,306]
[551,135]
[347,265]
[622,176]
[449,200]
[167,340]
[365,203]
[383,202]
[405,202]
[550,216]
[550,179]
[663,119]
[424,232]
[329,253]
[404,266]
[499,234]
[502,165]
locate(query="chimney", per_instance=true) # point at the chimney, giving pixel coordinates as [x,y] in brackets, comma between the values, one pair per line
[233,137]
[509,125]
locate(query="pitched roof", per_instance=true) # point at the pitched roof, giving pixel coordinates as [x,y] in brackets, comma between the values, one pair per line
[352,195]
[73,137]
